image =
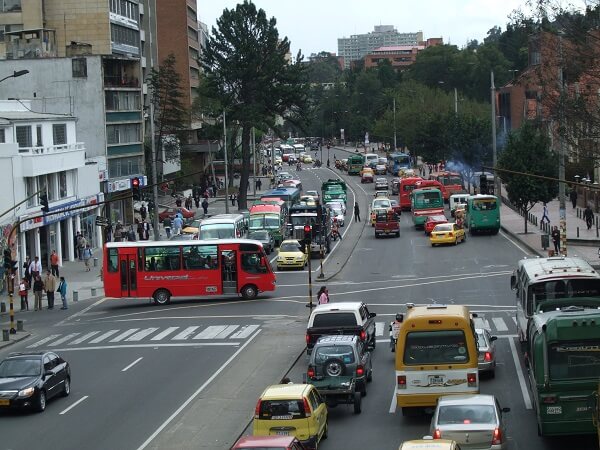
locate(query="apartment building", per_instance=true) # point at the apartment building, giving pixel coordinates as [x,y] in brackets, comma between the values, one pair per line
[399,56]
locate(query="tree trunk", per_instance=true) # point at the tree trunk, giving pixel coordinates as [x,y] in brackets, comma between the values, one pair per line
[245,175]
[525,217]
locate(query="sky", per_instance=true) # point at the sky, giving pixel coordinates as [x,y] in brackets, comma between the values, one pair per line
[315,25]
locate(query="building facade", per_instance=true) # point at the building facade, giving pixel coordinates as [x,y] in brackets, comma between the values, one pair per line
[358,46]
[399,56]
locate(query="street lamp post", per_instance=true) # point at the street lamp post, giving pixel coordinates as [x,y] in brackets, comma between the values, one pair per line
[562,208]
[15,74]
[497,188]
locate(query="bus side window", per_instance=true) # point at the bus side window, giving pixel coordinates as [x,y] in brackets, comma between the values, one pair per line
[251,263]
[113,260]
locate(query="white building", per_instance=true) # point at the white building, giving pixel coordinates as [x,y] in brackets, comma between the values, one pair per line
[40,151]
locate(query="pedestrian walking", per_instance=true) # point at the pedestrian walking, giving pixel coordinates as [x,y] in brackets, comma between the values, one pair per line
[82,242]
[189,201]
[167,226]
[139,229]
[356,212]
[118,232]
[588,215]
[556,239]
[323,296]
[232,199]
[87,256]
[177,224]
[258,184]
[35,268]
[205,206]
[197,200]
[573,197]
[50,287]
[26,272]
[143,212]
[38,288]
[76,244]
[130,234]
[23,293]
[54,260]
[545,215]
[62,290]
[178,201]
[146,230]
[109,231]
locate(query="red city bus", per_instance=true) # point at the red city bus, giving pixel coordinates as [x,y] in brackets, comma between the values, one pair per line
[186,269]
[451,182]
[406,187]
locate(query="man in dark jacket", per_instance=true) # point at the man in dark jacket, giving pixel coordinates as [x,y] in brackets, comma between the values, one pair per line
[356,212]
[573,197]
[556,239]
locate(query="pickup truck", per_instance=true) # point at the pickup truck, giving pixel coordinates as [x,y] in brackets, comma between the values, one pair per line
[349,318]
[387,223]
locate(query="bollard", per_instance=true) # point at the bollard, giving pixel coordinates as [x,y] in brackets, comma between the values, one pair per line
[19,325]
[5,335]
[95,262]
[93,292]
[545,241]
[597,230]
[577,231]
[2,307]
[75,296]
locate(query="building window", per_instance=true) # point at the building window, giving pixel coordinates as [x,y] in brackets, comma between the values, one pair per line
[24,136]
[10,5]
[193,34]
[38,136]
[122,101]
[59,133]
[30,190]
[124,35]
[79,67]
[62,184]
[122,167]
[122,134]
[2,136]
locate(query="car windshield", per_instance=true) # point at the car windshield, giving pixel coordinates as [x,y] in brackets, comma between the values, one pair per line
[485,205]
[466,414]
[341,352]
[281,409]
[266,221]
[289,247]
[259,235]
[435,347]
[443,227]
[20,368]
[338,319]
[217,231]
[382,203]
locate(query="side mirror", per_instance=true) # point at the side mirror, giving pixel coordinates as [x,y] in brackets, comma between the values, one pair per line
[371,315]
[494,338]
[513,282]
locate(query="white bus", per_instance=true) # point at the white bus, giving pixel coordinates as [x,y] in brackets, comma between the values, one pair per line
[371,158]
[223,226]
[543,284]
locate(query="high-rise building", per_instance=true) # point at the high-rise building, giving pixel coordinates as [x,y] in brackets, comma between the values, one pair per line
[358,46]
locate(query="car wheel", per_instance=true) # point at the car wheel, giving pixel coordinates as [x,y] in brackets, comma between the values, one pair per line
[249,292]
[334,367]
[67,387]
[370,375]
[357,402]
[363,390]
[40,404]
[162,297]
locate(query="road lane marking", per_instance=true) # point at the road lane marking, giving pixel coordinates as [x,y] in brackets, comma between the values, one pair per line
[185,334]
[244,332]
[181,344]
[141,334]
[499,324]
[507,237]
[379,328]
[514,319]
[218,334]
[103,336]
[164,334]
[210,332]
[393,403]
[79,313]
[195,394]
[66,338]
[73,405]
[85,337]
[132,364]
[124,334]
[43,341]
[524,391]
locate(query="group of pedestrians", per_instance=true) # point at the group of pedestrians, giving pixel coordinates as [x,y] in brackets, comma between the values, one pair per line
[32,280]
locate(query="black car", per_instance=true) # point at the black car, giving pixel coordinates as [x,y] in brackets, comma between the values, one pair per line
[264,237]
[28,380]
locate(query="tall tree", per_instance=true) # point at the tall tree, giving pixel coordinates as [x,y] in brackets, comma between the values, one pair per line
[528,151]
[247,69]
[169,112]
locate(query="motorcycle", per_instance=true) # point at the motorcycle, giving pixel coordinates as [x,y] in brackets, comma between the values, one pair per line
[298,167]
[395,331]
[335,234]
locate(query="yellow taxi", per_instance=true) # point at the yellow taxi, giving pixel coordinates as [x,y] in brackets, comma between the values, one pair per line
[307,159]
[429,444]
[192,228]
[291,255]
[292,410]
[379,204]
[447,233]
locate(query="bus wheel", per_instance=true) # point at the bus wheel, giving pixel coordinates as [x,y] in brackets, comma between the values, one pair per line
[249,292]
[162,297]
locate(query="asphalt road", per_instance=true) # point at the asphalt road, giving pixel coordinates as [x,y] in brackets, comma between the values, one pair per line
[188,375]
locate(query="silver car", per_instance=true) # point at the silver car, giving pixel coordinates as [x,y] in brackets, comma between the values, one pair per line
[381,184]
[265,238]
[474,422]
[486,346]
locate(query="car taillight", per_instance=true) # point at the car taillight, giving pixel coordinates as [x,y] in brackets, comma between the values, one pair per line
[363,335]
[360,371]
[306,408]
[497,438]
[307,338]
[401,381]
[472,379]
[487,357]
[257,409]
[437,434]
[310,372]
[549,399]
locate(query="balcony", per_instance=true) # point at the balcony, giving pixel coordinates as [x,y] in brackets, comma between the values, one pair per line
[31,44]
[121,81]
[55,158]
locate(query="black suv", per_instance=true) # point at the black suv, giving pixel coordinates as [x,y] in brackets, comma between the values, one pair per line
[28,380]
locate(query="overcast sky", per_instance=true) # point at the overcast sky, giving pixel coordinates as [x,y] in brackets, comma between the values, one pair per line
[315,25]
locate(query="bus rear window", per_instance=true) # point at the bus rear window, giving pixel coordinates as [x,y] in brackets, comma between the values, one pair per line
[574,360]
[335,320]
[281,409]
[435,347]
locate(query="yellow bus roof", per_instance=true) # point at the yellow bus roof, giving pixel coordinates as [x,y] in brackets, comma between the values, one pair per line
[419,312]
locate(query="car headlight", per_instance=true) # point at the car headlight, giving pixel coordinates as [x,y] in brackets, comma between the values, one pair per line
[280,258]
[299,258]
[28,392]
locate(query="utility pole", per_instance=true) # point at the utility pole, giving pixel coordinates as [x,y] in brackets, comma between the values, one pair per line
[456,101]
[562,209]
[155,225]
[254,159]
[395,124]
[225,164]
[497,187]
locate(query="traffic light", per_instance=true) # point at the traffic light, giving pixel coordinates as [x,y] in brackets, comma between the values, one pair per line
[44,203]
[483,187]
[307,234]
[7,259]
[135,188]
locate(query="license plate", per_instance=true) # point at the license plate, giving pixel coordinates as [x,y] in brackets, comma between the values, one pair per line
[554,410]
[282,433]
[436,380]
[4,402]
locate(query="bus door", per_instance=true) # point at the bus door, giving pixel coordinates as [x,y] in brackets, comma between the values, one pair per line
[229,271]
[128,272]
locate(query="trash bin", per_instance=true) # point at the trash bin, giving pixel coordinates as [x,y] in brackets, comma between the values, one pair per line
[95,262]
[545,241]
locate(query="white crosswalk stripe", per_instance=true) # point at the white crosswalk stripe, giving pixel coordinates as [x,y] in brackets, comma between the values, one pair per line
[185,333]
[103,336]
[499,324]
[43,341]
[244,332]
[216,332]
[123,335]
[164,334]
[84,338]
[63,339]
[141,334]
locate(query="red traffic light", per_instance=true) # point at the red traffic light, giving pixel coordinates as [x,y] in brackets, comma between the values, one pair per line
[307,228]
[135,182]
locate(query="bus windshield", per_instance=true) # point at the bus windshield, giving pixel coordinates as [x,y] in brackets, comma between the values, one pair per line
[564,288]
[574,360]
[435,347]
[217,231]
[428,199]
[450,180]
[489,204]
[264,222]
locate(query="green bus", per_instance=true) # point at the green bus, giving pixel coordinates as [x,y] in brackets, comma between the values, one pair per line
[424,202]
[483,214]
[563,358]
[355,164]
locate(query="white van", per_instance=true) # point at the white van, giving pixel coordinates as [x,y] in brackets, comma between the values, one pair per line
[223,226]
[457,199]
[371,160]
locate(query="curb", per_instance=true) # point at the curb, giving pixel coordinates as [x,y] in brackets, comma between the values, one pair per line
[4,344]
[525,244]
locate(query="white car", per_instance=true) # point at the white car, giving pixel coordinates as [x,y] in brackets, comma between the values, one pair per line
[380,169]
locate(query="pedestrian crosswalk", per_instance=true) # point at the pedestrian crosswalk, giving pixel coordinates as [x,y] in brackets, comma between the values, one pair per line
[150,335]
[498,326]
